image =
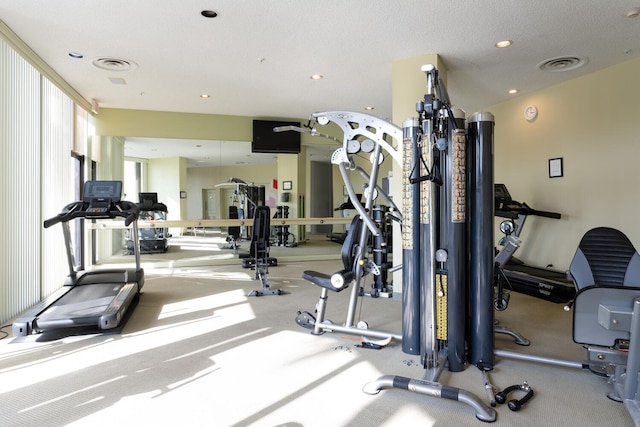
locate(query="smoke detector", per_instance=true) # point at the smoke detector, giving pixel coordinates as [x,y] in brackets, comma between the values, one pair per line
[114,64]
[562,63]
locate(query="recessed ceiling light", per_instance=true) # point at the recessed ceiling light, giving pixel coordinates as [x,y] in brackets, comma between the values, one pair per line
[513,91]
[316,77]
[503,43]
[204,96]
[632,13]
[76,55]
[369,108]
[209,13]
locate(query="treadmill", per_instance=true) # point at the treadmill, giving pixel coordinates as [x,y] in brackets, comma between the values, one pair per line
[151,240]
[544,283]
[89,300]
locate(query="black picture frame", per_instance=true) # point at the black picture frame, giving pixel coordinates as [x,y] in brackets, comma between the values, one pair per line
[287,185]
[556,168]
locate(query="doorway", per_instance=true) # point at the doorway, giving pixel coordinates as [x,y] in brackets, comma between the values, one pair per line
[210,204]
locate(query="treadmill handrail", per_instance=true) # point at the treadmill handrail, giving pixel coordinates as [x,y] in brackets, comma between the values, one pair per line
[123,209]
[525,210]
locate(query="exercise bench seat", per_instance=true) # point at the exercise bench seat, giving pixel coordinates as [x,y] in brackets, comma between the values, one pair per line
[335,282]
[341,279]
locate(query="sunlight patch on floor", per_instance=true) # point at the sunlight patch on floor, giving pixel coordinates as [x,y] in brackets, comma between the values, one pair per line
[209,302]
[225,312]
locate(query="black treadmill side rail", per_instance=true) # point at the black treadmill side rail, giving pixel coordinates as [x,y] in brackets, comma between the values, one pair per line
[547,284]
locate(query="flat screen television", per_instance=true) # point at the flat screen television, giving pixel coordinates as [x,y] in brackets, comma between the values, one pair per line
[265,140]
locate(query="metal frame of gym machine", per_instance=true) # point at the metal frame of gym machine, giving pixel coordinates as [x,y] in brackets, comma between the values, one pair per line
[439,243]
[380,132]
[448,255]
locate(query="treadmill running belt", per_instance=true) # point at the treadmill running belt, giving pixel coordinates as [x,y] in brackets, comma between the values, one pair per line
[101,305]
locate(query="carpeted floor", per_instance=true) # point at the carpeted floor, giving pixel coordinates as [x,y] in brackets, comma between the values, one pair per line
[197,351]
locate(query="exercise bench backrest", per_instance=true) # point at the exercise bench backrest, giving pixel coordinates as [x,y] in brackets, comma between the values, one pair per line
[260,232]
[233,214]
[605,257]
[351,241]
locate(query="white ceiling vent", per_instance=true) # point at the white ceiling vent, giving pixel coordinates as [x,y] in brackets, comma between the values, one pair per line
[562,63]
[114,64]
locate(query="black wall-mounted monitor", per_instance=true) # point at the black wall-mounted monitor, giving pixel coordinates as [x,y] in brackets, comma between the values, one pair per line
[265,140]
[148,198]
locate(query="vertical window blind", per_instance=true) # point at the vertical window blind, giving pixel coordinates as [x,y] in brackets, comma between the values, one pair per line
[36,138]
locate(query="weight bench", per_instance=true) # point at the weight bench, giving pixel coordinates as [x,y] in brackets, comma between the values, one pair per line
[336,282]
[233,232]
[259,251]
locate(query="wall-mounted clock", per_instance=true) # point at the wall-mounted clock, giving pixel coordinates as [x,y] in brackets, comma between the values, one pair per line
[530,113]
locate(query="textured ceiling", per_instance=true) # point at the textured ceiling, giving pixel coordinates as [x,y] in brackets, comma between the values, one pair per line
[256,57]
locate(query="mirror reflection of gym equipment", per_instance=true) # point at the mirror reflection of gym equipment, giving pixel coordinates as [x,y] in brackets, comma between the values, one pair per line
[155,239]
[453,279]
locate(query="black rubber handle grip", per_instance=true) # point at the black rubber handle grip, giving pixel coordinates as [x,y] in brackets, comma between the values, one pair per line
[128,220]
[52,221]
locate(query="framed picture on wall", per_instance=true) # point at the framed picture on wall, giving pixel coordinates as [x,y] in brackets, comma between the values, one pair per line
[555,168]
[287,185]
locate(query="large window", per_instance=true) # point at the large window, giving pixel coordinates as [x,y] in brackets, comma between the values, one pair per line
[36,181]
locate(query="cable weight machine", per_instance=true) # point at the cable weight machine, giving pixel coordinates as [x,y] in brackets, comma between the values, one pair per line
[447,238]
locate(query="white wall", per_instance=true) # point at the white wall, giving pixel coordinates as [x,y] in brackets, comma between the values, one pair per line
[591,122]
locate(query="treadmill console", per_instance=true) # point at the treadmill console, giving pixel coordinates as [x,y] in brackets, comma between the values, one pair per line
[100,195]
[506,207]
[148,199]
[503,200]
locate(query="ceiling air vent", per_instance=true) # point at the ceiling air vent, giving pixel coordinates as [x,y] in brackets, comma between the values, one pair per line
[562,63]
[114,64]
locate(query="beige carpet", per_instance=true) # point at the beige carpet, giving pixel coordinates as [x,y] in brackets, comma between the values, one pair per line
[198,352]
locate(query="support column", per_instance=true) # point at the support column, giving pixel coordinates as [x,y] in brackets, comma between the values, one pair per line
[293,167]
[408,87]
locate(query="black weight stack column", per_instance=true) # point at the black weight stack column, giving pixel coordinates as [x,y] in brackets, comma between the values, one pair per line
[411,295]
[481,268]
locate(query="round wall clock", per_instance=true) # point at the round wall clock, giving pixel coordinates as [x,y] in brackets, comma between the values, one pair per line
[530,113]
